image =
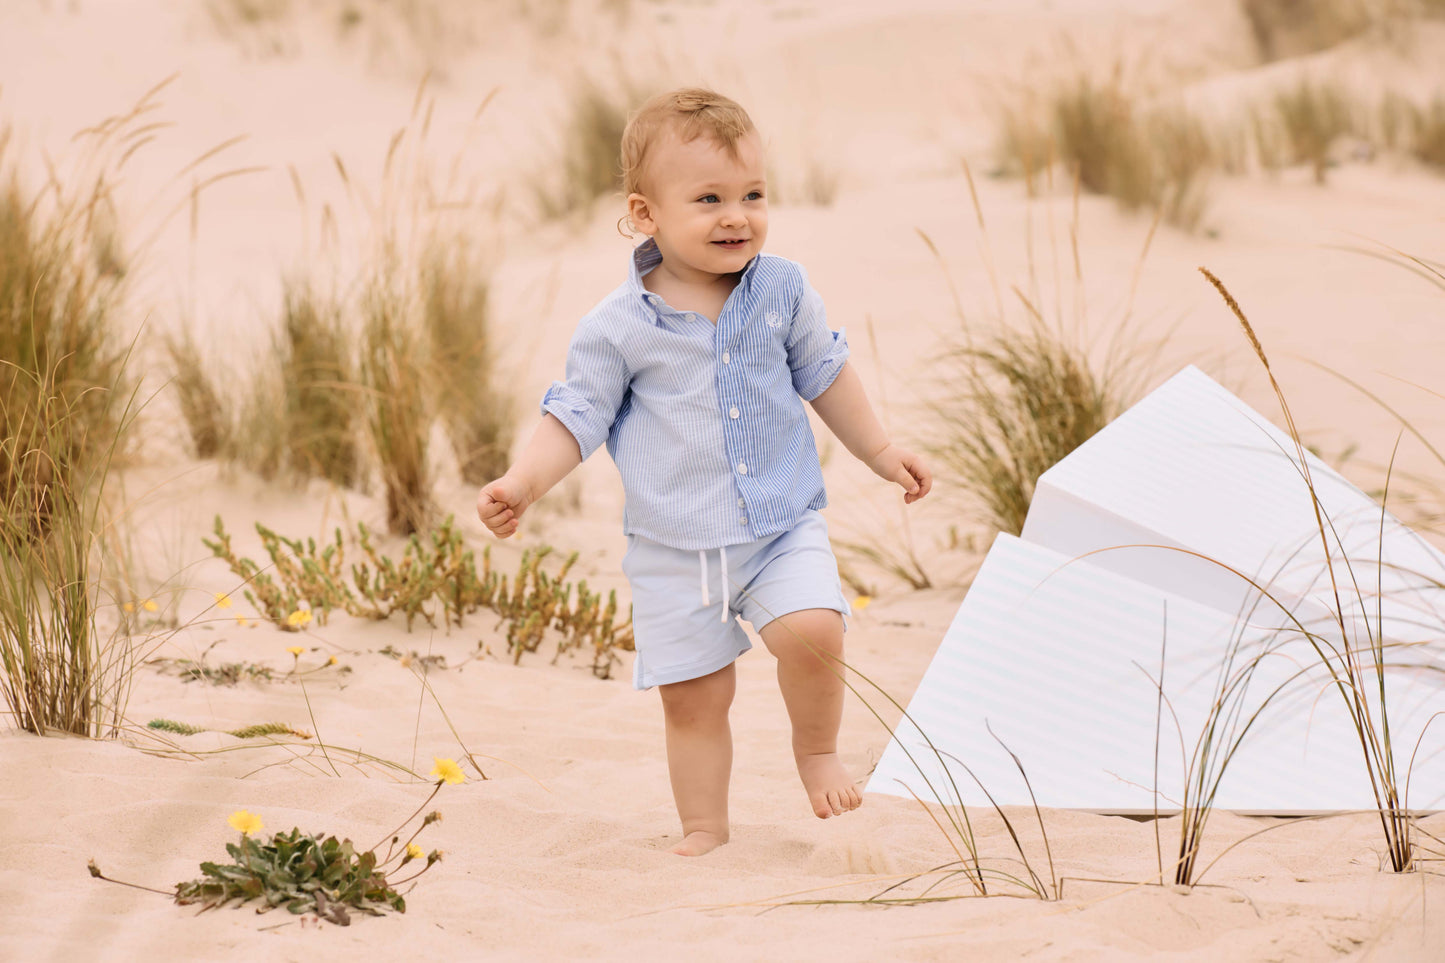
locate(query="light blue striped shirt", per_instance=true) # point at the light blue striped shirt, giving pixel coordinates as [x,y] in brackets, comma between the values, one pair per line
[705,422]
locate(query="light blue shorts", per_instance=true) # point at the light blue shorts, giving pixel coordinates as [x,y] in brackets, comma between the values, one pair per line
[685,604]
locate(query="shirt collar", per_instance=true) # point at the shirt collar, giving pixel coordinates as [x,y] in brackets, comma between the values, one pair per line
[646,256]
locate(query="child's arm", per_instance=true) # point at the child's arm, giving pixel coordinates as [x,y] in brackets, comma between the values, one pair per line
[844,408]
[546,460]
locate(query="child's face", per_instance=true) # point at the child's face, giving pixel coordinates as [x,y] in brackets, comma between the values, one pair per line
[707,209]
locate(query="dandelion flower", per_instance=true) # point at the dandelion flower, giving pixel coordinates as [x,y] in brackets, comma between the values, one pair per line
[447,770]
[861,602]
[331,661]
[245,822]
[413,851]
[128,606]
[241,621]
[298,618]
[223,601]
[150,605]
[296,650]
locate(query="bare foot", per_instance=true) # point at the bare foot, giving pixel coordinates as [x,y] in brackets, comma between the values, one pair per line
[697,842]
[830,788]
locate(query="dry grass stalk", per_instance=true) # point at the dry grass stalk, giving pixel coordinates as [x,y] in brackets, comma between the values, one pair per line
[1357,660]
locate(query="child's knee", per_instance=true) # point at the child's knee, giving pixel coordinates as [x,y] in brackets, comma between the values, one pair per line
[810,634]
[699,701]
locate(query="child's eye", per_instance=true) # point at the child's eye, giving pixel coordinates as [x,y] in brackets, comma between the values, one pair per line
[709,199]
[755,195]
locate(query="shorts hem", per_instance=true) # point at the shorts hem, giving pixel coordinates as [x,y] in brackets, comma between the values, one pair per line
[686,673]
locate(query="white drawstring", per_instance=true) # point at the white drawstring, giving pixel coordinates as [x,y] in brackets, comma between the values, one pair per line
[722,556]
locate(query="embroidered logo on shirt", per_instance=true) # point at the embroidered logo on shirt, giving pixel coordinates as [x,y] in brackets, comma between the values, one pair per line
[774,319]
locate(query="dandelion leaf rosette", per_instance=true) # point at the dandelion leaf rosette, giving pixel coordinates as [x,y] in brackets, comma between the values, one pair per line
[298,872]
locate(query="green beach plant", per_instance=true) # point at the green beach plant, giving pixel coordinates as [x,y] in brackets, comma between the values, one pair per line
[310,873]
[437,579]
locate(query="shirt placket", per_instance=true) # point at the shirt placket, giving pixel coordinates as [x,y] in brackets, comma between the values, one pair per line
[730,400]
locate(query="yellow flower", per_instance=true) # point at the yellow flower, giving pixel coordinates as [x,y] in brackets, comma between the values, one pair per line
[245,822]
[413,851]
[298,618]
[241,621]
[223,601]
[331,661]
[861,602]
[447,770]
[296,650]
[150,605]
[128,606]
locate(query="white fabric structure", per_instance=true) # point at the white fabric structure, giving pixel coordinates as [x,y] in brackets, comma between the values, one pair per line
[1138,545]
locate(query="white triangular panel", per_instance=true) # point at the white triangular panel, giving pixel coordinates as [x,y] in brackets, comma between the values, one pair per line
[1058,643]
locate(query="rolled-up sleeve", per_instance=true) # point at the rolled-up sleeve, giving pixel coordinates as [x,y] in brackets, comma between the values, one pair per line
[597,380]
[815,352]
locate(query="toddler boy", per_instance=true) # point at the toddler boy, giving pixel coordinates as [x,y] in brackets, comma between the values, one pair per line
[694,372]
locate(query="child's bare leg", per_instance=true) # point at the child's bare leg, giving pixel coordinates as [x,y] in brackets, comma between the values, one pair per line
[813,693]
[700,757]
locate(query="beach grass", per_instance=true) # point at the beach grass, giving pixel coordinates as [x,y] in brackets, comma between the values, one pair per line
[1148,156]
[319,390]
[205,408]
[1312,117]
[1290,28]
[476,411]
[588,165]
[1018,394]
[399,412]
[67,409]
[1357,658]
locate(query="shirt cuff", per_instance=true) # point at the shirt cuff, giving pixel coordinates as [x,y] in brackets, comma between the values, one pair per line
[813,379]
[577,415]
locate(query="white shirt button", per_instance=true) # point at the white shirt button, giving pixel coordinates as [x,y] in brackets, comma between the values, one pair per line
[742,504]
[726,357]
[742,468]
[734,412]
[742,521]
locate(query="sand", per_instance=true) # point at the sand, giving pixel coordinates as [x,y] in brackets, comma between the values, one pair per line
[562,851]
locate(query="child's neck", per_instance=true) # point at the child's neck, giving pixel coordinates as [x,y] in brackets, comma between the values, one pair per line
[703,294]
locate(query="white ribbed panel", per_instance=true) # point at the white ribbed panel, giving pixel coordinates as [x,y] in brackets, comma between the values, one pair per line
[1049,644]
[1049,653]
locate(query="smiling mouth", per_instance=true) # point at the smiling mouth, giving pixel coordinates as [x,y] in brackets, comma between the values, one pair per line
[732,244]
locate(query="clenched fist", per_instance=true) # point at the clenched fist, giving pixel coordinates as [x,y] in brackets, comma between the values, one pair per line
[500,505]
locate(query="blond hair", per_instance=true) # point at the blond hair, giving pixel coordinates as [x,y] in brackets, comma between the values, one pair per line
[690,112]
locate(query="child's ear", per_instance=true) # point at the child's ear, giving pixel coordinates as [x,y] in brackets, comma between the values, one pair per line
[639,212]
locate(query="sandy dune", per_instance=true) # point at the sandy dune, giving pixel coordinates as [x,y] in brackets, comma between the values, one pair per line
[562,852]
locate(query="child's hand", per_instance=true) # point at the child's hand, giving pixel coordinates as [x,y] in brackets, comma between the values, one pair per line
[906,468]
[500,505]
